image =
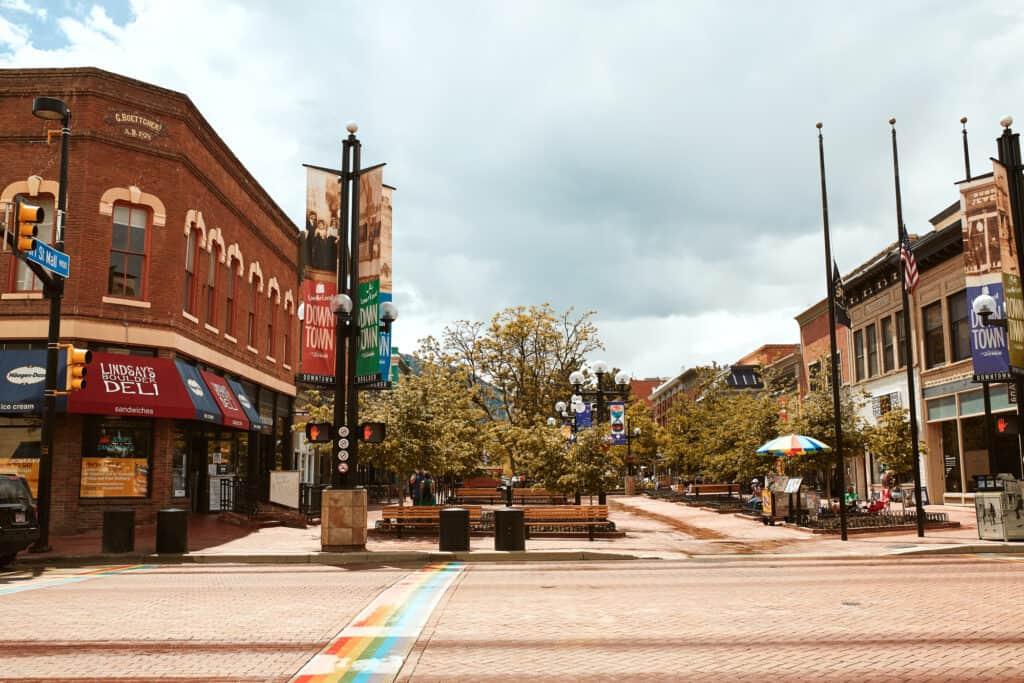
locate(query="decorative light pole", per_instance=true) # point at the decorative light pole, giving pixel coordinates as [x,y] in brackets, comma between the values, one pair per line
[52,109]
[588,385]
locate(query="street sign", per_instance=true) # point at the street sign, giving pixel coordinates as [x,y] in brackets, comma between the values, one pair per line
[343,456]
[343,467]
[342,430]
[342,443]
[46,256]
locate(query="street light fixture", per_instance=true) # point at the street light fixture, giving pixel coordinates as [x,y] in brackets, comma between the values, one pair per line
[52,109]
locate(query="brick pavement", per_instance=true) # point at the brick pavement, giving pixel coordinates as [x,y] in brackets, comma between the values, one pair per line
[923,620]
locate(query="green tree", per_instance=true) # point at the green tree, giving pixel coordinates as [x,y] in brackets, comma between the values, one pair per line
[432,422]
[593,464]
[643,448]
[889,440]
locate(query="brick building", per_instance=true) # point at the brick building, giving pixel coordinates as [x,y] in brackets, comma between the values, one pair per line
[184,276]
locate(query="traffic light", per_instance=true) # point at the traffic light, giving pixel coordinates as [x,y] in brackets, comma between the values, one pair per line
[371,432]
[78,359]
[27,216]
[318,432]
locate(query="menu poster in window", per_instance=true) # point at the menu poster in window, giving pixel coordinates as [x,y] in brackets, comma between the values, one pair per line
[115,478]
[26,467]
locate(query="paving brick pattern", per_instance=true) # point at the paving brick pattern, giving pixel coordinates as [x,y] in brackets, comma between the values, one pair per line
[180,623]
[923,620]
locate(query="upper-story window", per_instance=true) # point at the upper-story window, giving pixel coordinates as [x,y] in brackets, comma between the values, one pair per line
[24,279]
[934,344]
[888,344]
[858,355]
[250,332]
[191,265]
[128,252]
[872,339]
[901,341]
[271,323]
[286,342]
[229,296]
[211,285]
[959,327]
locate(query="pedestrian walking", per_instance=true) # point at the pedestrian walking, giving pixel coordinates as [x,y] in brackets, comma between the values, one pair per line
[427,493]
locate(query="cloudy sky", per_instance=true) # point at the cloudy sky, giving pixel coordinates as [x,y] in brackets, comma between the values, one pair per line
[653,161]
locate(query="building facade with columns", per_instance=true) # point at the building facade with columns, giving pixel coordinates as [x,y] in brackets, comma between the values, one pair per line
[183,283]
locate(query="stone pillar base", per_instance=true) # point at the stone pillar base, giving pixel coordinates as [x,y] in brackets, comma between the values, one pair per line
[343,520]
[630,485]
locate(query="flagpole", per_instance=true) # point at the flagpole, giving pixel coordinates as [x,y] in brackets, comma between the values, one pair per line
[907,346]
[833,364]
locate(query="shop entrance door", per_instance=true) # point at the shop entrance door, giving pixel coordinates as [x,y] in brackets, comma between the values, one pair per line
[199,474]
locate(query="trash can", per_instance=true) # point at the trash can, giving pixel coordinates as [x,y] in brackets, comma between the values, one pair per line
[172,531]
[454,530]
[119,530]
[509,531]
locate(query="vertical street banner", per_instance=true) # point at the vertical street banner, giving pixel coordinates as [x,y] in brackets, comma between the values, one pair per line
[318,332]
[320,238]
[385,276]
[990,267]
[617,422]
[582,416]
[371,200]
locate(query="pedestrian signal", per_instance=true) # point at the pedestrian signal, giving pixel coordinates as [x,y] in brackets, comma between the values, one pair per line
[372,432]
[76,371]
[27,217]
[318,432]
[1007,424]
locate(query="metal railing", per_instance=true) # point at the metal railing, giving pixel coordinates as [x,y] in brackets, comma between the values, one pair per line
[310,499]
[236,496]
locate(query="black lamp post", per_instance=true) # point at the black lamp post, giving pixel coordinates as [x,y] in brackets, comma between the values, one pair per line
[635,434]
[52,109]
[592,388]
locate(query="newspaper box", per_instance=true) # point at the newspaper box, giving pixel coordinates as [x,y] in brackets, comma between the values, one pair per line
[999,507]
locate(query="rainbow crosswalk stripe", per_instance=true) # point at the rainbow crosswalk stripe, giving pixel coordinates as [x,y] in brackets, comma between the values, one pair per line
[374,645]
[83,576]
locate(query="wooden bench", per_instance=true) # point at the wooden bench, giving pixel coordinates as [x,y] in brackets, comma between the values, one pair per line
[494,496]
[589,516]
[427,517]
[714,489]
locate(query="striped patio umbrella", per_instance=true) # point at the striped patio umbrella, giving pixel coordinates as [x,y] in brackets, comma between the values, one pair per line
[793,444]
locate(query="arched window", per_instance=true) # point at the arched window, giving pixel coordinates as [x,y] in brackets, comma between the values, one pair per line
[271,324]
[250,333]
[128,245]
[191,266]
[286,342]
[211,285]
[24,279]
[230,278]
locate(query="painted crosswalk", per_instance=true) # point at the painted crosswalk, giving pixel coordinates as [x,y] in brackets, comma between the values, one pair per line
[62,579]
[374,645]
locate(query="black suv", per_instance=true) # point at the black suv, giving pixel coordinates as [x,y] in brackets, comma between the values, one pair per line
[19,526]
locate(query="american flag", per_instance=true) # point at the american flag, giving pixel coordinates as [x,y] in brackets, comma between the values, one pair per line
[910,276]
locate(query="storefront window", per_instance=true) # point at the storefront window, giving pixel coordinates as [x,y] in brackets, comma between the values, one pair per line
[220,456]
[975,450]
[282,432]
[117,456]
[20,449]
[951,456]
[972,402]
[942,408]
[179,464]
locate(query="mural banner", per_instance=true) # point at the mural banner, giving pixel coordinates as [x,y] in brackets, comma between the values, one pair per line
[990,267]
[323,201]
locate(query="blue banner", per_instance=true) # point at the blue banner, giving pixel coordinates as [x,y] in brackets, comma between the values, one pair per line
[583,417]
[23,378]
[989,349]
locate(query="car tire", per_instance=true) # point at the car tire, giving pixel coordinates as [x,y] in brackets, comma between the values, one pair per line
[6,560]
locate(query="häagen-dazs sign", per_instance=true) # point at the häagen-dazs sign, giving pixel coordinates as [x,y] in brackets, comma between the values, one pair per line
[26,374]
[137,126]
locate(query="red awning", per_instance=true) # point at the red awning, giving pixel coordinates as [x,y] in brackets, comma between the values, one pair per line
[226,400]
[132,386]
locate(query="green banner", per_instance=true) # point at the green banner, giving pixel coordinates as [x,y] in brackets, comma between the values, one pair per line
[368,349]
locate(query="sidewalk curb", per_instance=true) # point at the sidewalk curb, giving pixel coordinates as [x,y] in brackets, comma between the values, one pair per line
[412,557]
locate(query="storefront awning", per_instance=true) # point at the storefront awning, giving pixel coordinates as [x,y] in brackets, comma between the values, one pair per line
[199,393]
[133,386]
[246,403]
[22,380]
[230,408]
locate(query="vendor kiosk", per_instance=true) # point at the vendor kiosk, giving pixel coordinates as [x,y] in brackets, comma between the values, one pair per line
[999,505]
[780,499]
